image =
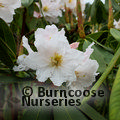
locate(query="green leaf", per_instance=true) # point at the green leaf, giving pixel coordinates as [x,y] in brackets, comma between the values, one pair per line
[98,12]
[5,54]
[114,105]
[115,5]
[26,3]
[8,79]
[95,36]
[105,74]
[68,113]
[7,36]
[107,5]
[7,112]
[93,13]
[112,43]
[16,24]
[31,23]
[102,56]
[87,10]
[7,45]
[4,78]
[115,33]
[68,26]
[90,112]
[39,113]
[101,45]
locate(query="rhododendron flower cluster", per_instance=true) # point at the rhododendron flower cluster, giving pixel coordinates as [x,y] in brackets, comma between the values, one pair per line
[56,60]
[7,9]
[52,9]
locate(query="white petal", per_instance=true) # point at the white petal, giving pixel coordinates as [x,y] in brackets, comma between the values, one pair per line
[8,2]
[89,51]
[44,73]
[35,61]
[7,11]
[26,45]
[20,67]
[51,28]
[6,15]
[63,74]
[21,58]
[73,56]
[58,77]
[48,36]
[86,73]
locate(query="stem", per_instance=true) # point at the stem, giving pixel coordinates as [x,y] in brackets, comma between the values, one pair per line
[30,33]
[93,28]
[19,41]
[99,27]
[66,15]
[71,18]
[105,74]
[23,24]
[110,19]
[80,20]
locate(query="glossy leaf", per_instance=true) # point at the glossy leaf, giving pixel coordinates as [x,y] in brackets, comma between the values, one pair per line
[105,74]
[114,105]
[68,113]
[115,5]
[95,36]
[7,45]
[91,113]
[37,113]
[26,3]
[5,54]
[7,36]
[115,33]
[102,56]
[98,12]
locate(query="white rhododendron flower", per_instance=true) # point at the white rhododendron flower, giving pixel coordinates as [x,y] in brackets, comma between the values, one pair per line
[7,9]
[60,2]
[51,11]
[50,34]
[86,71]
[117,24]
[55,59]
[71,4]
[85,74]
